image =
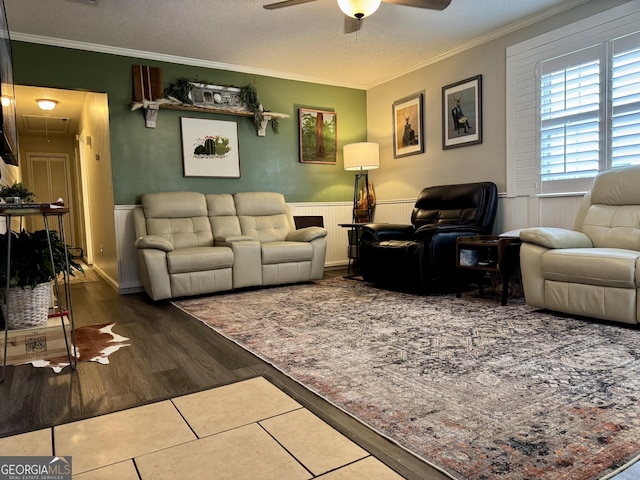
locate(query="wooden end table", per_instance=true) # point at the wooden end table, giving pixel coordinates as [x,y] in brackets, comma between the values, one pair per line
[489,253]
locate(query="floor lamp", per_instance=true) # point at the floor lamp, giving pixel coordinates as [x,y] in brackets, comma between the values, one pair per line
[361,157]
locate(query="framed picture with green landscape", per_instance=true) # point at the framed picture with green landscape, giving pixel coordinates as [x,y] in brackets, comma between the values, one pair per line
[318,136]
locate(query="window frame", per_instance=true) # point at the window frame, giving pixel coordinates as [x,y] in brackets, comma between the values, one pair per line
[523,82]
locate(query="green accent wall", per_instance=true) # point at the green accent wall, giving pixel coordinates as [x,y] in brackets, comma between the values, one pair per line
[150,159]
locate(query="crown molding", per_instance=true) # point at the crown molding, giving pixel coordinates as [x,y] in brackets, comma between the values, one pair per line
[194,62]
[512,27]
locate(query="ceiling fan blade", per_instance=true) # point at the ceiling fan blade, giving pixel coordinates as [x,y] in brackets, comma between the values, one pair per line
[431,4]
[286,3]
[351,24]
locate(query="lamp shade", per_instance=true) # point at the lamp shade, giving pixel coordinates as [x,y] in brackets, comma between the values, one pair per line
[361,156]
[358,8]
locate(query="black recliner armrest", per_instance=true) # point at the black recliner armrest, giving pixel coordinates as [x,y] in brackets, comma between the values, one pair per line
[427,231]
[379,232]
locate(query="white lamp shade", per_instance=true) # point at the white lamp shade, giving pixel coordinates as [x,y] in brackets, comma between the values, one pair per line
[361,156]
[358,8]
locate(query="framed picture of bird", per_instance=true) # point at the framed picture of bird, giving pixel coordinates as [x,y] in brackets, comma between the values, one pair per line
[462,113]
[408,128]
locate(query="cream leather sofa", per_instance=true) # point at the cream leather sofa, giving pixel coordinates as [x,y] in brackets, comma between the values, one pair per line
[190,244]
[593,270]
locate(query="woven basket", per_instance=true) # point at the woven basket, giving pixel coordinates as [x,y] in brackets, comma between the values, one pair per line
[27,307]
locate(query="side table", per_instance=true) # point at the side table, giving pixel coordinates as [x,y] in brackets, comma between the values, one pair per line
[489,253]
[61,289]
[354,249]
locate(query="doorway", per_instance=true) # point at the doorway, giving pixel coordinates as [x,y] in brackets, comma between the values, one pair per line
[53,158]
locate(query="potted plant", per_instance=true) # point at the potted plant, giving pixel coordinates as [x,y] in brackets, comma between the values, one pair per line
[31,274]
[16,193]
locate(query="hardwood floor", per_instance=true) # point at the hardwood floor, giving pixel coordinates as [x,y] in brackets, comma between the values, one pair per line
[171,354]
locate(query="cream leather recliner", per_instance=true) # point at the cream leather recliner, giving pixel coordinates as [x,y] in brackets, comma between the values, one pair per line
[593,270]
[190,244]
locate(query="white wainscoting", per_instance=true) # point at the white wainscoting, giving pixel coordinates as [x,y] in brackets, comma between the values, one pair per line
[512,213]
[128,269]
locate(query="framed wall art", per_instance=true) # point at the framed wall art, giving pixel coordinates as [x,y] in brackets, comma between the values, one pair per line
[210,148]
[318,136]
[462,113]
[408,137]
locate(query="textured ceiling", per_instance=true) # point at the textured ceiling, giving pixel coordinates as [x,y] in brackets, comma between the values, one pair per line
[304,42]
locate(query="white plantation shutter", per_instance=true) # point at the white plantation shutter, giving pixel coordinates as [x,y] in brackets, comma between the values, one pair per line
[573,103]
[625,102]
[570,116]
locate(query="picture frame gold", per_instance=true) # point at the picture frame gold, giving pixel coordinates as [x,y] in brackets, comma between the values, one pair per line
[408,126]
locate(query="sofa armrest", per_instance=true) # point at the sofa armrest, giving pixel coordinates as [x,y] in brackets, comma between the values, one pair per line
[306,234]
[154,241]
[378,232]
[227,241]
[555,237]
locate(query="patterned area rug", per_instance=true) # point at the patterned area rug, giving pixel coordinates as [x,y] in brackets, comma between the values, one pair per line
[481,391]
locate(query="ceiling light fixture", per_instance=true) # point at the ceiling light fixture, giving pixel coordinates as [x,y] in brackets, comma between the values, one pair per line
[358,8]
[46,104]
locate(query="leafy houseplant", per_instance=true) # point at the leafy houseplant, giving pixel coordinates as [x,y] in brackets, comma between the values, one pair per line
[31,266]
[17,190]
[31,260]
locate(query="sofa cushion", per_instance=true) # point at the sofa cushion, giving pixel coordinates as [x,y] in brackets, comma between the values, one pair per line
[618,186]
[286,252]
[174,205]
[613,226]
[199,259]
[259,203]
[610,267]
[270,228]
[222,215]
[182,232]
[463,204]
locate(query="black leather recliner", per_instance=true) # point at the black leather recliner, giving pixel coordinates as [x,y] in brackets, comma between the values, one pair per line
[422,256]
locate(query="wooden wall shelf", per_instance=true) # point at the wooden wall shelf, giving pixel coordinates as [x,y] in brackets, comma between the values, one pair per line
[151,112]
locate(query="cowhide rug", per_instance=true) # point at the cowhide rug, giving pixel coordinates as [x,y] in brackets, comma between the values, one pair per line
[94,343]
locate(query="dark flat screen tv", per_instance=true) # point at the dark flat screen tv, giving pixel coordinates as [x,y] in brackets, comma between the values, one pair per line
[8,130]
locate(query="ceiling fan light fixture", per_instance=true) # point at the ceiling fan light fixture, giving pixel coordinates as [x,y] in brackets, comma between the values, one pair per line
[358,8]
[46,104]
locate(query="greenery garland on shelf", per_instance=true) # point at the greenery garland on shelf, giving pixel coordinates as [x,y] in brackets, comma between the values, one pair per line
[181,89]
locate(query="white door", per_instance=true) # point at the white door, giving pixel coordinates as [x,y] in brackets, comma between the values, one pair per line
[49,180]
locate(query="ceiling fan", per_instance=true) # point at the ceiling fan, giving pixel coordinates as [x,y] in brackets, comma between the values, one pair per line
[356,10]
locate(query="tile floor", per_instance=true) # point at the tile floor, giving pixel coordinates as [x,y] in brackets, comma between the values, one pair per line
[223,433]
